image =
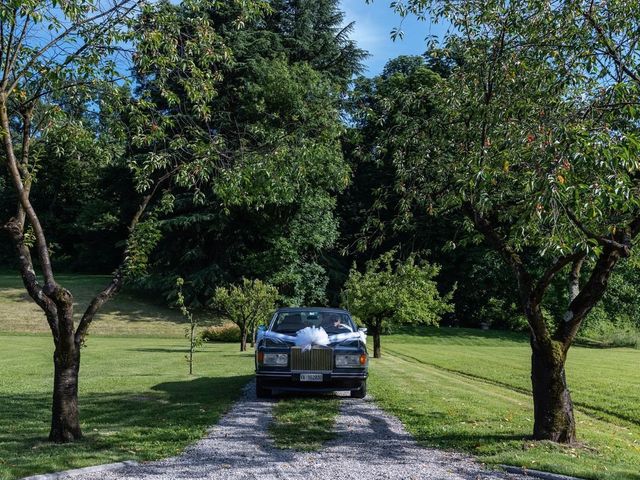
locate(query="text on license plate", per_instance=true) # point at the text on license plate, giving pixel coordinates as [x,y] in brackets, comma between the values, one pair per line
[310,377]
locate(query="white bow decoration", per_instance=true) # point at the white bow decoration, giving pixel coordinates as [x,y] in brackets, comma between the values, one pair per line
[310,336]
[307,337]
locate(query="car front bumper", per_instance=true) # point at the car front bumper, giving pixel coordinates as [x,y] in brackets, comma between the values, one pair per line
[331,382]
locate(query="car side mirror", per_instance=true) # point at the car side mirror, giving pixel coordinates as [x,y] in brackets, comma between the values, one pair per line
[363,330]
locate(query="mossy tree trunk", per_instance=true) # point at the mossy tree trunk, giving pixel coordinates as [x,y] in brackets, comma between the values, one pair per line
[552,405]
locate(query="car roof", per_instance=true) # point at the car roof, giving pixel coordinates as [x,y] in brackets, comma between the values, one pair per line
[315,309]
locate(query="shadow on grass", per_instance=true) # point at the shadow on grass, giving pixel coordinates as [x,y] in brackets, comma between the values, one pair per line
[124,425]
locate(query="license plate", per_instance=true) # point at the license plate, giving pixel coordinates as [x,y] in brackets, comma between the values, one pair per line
[310,377]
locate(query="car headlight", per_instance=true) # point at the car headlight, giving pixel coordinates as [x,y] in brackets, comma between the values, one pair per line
[280,359]
[351,360]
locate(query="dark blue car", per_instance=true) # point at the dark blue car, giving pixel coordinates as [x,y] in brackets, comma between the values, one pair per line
[340,365]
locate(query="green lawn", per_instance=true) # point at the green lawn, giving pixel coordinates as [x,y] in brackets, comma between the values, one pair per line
[126,315]
[468,390]
[136,400]
[304,422]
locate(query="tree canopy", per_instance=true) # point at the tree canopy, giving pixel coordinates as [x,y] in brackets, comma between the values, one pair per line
[391,292]
[248,305]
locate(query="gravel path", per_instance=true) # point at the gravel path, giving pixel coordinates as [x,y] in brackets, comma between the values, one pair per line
[369,444]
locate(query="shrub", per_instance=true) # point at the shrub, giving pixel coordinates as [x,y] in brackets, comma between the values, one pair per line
[601,331]
[227,333]
[499,313]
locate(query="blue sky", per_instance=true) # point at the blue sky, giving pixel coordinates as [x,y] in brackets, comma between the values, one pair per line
[373,25]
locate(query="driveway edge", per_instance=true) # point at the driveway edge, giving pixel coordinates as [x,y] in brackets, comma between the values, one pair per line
[79,471]
[536,473]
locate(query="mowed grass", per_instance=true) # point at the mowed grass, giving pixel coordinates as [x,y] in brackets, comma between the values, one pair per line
[136,400]
[304,423]
[469,390]
[125,315]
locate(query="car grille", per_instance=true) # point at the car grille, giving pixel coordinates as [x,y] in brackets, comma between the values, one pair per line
[315,359]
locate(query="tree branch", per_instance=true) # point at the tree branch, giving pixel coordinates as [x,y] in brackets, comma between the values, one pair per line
[513,259]
[621,247]
[118,277]
[614,54]
[588,297]
[542,284]
[68,31]
[5,73]
[41,242]
[29,278]
[574,278]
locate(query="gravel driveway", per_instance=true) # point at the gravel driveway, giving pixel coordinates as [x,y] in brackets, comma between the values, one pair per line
[370,444]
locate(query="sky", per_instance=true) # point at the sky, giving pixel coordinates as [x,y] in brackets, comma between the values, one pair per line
[373,25]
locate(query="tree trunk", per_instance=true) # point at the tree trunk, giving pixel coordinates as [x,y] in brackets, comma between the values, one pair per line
[243,338]
[553,408]
[377,353]
[65,419]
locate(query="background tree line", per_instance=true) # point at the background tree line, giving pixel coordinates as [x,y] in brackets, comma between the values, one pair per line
[345,208]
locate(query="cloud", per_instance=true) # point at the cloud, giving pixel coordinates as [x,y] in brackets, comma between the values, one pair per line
[372,31]
[368,31]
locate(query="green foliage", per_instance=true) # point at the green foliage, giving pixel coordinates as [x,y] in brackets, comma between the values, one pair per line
[272,151]
[140,243]
[227,333]
[530,139]
[392,292]
[247,305]
[517,140]
[497,312]
[378,210]
[602,331]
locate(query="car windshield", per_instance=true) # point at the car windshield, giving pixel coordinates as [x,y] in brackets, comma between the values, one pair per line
[332,322]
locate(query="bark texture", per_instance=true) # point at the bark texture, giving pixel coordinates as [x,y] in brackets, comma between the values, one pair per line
[65,416]
[553,408]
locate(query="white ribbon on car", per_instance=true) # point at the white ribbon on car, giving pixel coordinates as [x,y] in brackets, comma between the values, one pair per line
[310,336]
[307,337]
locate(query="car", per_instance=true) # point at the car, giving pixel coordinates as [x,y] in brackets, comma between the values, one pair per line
[287,357]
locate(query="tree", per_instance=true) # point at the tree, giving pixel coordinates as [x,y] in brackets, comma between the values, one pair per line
[376,215]
[280,101]
[535,140]
[47,49]
[246,305]
[389,293]
[194,340]
[53,51]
